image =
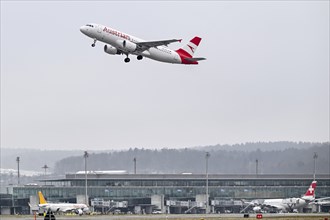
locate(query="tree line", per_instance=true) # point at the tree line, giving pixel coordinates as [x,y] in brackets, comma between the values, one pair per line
[230,160]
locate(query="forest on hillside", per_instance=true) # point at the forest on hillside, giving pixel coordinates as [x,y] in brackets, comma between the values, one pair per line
[285,160]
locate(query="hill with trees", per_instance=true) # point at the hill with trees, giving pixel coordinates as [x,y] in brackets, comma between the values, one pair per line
[288,158]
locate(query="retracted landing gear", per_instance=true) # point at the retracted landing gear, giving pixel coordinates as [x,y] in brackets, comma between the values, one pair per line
[93,44]
[139,57]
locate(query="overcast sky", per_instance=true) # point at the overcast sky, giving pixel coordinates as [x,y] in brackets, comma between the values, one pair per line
[266,77]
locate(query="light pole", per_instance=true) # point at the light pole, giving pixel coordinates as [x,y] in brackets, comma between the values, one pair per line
[207,156]
[17,160]
[45,167]
[134,160]
[314,157]
[257,167]
[85,156]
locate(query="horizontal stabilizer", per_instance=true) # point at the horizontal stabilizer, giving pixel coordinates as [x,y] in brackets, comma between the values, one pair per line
[193,59]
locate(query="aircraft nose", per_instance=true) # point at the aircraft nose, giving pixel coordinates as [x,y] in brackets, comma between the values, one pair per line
[83,29]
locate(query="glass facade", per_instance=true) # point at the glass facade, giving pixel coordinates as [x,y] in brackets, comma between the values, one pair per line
[180,187]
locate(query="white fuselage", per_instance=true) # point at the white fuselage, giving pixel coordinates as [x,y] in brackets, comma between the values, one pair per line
[64,207]
[114,38]
[285,204]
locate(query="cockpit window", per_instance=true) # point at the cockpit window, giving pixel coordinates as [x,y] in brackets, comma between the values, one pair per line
[89,25]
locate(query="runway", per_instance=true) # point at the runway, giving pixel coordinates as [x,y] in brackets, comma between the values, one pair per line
[287,216]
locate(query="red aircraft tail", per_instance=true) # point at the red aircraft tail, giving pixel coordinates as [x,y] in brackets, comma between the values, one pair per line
[186,53]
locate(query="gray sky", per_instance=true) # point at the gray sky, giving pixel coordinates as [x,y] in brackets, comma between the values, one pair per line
[266,77]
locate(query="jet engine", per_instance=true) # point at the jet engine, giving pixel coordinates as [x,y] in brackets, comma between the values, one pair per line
[126,45]
[257,209]
[111,50]
[78,211]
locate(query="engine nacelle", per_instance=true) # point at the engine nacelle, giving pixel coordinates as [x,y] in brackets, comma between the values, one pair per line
[111,50]
[78,211]
[126,45]
[257,209]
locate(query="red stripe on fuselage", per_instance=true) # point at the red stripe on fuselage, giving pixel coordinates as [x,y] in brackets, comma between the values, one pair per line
[183,54]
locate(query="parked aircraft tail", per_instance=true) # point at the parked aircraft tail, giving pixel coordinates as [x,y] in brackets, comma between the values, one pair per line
[310,193]
[42,199]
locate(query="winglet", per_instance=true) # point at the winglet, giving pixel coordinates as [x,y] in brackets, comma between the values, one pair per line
[42,199]
[180,40]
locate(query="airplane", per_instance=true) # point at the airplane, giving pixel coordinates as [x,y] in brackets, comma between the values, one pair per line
[61,207]
[285,205]
[117,42]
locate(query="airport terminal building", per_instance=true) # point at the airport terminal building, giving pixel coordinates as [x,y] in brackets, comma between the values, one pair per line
[171,193]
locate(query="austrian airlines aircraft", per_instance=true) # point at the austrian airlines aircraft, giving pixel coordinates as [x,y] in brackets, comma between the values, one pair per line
[120,43]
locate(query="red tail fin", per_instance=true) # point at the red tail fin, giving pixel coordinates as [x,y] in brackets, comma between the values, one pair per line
[311,189]
[188,51]
[190,48]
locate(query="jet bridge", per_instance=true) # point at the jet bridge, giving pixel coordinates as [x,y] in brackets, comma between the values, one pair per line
[184,207]
[226,206]
[107,206]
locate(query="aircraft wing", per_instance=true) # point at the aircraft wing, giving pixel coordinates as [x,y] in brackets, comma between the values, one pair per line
[67,210]
[71,210]
[148,44]
[273,206]
[278,207]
